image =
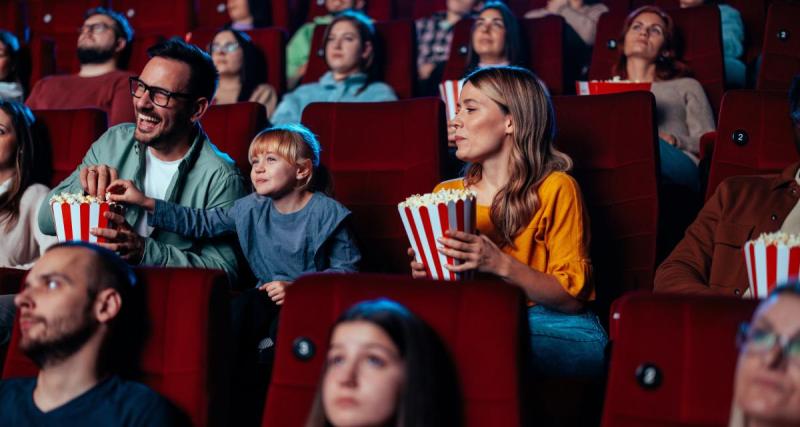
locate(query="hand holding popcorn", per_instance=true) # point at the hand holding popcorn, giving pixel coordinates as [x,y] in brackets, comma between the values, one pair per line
[124,190]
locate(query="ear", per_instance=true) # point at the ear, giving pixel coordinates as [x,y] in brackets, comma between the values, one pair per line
[359,4]
[509,125]
[107,305]
[120,45]
[200,107]
[303,170]
[367,50]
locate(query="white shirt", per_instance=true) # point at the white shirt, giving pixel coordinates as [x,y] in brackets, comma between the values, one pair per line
[158,175]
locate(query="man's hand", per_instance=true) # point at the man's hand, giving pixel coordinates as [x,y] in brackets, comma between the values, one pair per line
[95,179]
[276,290]
[121,239]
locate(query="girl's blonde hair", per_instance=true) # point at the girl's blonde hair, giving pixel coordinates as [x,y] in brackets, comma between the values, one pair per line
[518,92]
[295,143]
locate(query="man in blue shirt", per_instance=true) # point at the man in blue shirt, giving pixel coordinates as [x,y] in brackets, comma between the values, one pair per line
[72,322]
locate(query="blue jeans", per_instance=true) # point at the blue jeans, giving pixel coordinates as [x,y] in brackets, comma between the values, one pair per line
[566,345]
[677,167]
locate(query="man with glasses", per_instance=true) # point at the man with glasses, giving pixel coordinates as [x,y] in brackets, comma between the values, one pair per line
[709,259]
[168,155]
[767,382]
[103,44]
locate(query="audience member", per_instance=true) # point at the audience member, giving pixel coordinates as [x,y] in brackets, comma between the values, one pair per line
[103,42]
[247,14]
[76,309]
[683,113]
[242,70]
[10,82]
[530,214]
[709,259]
[732,41]
[580,15]
[434,36]
[387,367]
[351,47]
[496,38]
[166,153]
[767,382]
[299,47]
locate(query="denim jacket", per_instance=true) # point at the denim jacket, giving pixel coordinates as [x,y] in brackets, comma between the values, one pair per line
[206,178]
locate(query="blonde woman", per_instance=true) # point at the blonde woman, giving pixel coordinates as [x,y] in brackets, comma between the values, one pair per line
[530,216]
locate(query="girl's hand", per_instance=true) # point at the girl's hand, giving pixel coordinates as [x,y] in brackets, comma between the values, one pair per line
[475,252]
[124,190]
[554,6]
[669,139]
[417,268]
[276,290]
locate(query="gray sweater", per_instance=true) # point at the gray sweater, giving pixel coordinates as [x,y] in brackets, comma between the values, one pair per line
[277,246]
[683,111]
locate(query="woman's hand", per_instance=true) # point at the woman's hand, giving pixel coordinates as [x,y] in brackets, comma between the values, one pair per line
[476,252]
[276,290]
[417,268]
[669,139]
[124,190]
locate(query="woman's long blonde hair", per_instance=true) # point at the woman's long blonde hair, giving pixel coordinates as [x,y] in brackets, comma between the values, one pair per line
[519,93]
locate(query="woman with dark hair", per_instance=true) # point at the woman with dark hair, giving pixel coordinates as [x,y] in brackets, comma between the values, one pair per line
[386,367]
[767,382]
[10,83]
[242,70]
[351,52]
[683,113]
[247,14]
[496,38]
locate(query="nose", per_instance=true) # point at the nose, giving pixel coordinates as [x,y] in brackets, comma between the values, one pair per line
[775,357]
[143,102]
[348,374]
[23,299]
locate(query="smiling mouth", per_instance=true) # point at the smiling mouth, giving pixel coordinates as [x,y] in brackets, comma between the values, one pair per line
[146,123]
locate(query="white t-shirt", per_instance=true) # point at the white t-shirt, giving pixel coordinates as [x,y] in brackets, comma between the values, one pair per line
[157,177]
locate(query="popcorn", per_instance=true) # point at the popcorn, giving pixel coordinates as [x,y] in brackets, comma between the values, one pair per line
[450,90]
[74,214]
[615,85]
[426,217]
[772,258]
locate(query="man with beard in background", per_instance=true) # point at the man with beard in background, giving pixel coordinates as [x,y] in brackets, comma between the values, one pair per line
[104,40]
[79,306]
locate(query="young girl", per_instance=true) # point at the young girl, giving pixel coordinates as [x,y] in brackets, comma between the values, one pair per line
[351,47]
[530,216]
[285,228]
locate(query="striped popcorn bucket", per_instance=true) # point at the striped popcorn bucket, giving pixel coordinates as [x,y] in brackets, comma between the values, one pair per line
[769,264]
[449,91]
[74,220]
[425,224]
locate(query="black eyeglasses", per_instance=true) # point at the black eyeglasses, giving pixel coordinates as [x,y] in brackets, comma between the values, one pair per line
[96,28]
[158,95]
[755,340]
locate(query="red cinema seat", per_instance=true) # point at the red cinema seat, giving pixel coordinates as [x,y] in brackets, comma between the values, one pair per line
[754,15]
[69,134]
[376,162]
[424,8]
[12,17]
[459,47]
[11,280]
[170,18]
[754,136]
[397,61]
[212,13]
[611,140]
[272,43]
[699,34]
[489,371]
[38,56]
[781,51]
[183,355]
[138,56]
[59,20]
[673,360]
[378,10]
[231,127]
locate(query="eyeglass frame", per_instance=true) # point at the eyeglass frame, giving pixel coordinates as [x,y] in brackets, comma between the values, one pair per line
[743,339]
[92,27]
[150,89]
[232,46]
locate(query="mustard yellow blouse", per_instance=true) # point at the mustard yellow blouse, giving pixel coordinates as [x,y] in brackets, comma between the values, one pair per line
[556,241]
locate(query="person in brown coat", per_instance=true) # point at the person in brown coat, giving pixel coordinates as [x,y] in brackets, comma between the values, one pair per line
[709,259]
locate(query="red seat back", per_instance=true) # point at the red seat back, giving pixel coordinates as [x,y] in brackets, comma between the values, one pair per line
[457,313]
[754,15]
[183,353]
[39,58]
[232,127]
[378,10]
[59,20]
[754,136]
[69,134]
[270,41]
[459,48]
[673,361]
[212,14]
[781,52]
[611,140]
[425,8]
[170,18]
[12,17]
[699,33]
[397,59]
[138,56]
[376,162]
